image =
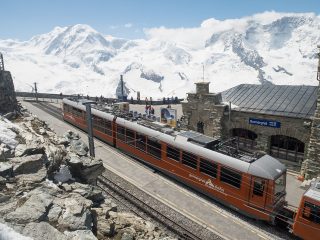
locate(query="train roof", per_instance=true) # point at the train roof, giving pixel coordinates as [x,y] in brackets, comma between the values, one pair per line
[314,191]
[265,167]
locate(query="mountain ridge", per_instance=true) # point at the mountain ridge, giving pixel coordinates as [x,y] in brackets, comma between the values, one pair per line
[266,48]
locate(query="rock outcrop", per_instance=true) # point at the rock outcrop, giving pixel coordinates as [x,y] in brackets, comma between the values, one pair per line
[48,192]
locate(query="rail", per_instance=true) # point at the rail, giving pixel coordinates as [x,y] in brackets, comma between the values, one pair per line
[143,206]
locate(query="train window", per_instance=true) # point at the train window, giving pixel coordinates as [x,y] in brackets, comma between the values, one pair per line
[311,212]
[66,108]
[258,187]
[173,153]
[231,177]
[189,159]
[130,137]
[208,167]
[120,133]
[154,148]
[98,123]
[108,127]
[141,142]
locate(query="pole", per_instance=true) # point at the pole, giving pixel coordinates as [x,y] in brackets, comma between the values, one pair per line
[90,130]
[318,72]
[36,91]
[229,120]
[122,92]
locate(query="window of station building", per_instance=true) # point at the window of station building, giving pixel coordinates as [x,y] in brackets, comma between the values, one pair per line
[141,141]
[173,153]
[154,148]
[230,176]
[121,133]
[311,212]
[287,148]
[208,167]
[108,127]
[130,137]
[189,159]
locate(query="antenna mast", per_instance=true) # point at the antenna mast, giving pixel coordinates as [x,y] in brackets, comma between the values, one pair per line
[202,72]
[1,62]
[318,72]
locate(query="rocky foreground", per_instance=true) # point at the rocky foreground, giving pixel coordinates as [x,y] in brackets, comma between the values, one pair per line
[47,189]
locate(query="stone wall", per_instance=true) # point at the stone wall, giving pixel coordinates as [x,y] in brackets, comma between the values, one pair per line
[8,102]
[292,127]
[204,107]
[311,166]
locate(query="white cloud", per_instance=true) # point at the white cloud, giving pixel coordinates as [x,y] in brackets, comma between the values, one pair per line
[128,25]
[114,27]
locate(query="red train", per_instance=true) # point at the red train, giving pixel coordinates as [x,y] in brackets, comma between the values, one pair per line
[251,184]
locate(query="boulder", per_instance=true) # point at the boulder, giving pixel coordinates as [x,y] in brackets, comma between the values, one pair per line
[33,210]
[55,156]
[38,177]
[128,234]
[54,213]
[63,175]
[69,135]
[76,214]
[27,150]
[4,197]
[5,152]
[80,235]
[7,208]
[85,168]
[28,164]
[79,147]
[87,191]
[101,226]
[6,170]
[43,231]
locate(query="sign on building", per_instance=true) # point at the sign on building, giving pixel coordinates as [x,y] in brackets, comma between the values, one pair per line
[264,122]
[168,116]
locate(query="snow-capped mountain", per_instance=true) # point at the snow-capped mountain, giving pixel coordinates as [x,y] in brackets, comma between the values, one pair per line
[266,48]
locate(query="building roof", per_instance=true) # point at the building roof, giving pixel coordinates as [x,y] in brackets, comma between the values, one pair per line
[282,100]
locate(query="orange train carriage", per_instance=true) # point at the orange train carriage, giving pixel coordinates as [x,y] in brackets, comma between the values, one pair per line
[252,185]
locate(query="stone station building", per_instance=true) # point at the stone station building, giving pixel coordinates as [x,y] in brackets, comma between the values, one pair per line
[281,120]
[275,119]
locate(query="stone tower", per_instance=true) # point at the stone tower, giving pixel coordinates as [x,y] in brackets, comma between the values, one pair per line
[204,110]
[8,101]
[311,166]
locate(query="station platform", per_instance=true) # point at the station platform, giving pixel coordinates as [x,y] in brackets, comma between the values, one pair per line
[206,212]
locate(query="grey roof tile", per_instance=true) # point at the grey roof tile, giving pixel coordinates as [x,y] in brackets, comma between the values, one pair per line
[282,100]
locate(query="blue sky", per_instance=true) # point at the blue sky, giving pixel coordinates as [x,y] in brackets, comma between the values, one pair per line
[22,19]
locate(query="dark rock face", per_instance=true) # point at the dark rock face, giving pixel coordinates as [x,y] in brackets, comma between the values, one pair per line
[86,169]
[8,101]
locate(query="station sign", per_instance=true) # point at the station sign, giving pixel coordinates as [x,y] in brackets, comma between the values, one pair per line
[264,122]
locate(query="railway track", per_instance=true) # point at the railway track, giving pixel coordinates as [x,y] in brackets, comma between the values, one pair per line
[147,207]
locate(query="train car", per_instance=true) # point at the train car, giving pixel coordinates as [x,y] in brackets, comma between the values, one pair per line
[252,185]
[307,219]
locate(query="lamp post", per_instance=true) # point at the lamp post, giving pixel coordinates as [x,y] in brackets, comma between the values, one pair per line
[88,103]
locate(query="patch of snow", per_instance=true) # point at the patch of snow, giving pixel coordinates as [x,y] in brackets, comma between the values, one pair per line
[7,136]
[7,233]
[63,175]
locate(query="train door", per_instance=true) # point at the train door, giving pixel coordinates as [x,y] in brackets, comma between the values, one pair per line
[257,192]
